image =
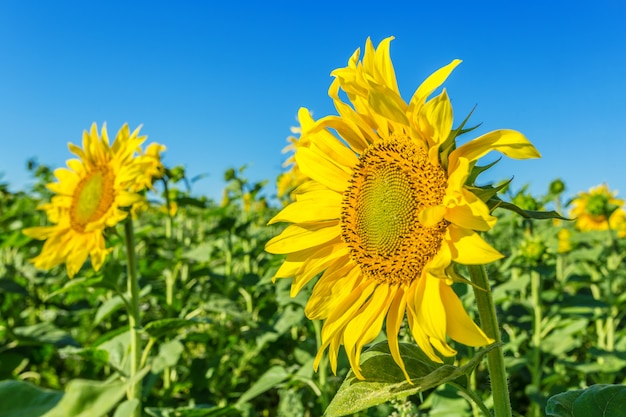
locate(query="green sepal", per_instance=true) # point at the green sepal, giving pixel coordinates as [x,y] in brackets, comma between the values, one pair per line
[384,380]
[488,192]
[477,170]
[450,143]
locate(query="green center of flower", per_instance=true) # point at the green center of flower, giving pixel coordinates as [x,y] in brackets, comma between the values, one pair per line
[391,184]
[93,197]
[598,205]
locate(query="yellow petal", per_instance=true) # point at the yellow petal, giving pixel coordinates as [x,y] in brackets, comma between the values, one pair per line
[431,84]
[429,308]
[388,104]
[438,112]
[395,316]
[315,166]
[468,248]
[460,326]
[311,210]
[299,237]
[470,213]
[509,142]
[430,216]
[366,325]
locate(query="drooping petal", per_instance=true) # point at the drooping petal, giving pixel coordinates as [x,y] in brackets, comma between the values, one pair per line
[509,142]
[460,326]
[468,248]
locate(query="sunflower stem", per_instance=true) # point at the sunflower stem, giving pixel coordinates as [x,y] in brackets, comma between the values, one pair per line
[489,323]
[134,316]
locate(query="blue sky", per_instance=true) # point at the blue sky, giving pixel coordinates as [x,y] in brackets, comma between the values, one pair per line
[220,84]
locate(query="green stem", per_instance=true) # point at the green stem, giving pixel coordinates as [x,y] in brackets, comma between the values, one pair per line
[489,323]
[472,397]
[134,316]
[535,286]
[323,365]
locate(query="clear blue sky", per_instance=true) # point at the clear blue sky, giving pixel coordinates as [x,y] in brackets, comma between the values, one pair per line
[220,84]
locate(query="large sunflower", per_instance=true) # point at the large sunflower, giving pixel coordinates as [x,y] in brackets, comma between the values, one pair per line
[89,195]
[387,213]
[598,209]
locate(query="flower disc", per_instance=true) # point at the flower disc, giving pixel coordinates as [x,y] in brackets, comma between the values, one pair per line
[391,184]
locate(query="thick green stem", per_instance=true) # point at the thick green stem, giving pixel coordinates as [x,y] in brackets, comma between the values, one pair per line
[489,323]
[134,316]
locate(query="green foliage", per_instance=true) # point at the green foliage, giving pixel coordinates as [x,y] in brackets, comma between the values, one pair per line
[221,339]
[597,400]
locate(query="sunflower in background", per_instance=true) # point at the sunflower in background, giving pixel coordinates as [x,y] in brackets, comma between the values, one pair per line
[90,195]
[386,213]
[598,209]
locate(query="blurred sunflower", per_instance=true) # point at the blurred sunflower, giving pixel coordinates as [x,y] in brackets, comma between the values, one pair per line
[153,167]
[89,196]
[387,212]
[598,209]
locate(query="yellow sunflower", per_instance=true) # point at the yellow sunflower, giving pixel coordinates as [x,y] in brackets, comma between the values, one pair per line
[386,213]
[598,209]
[89,195]
[153,167]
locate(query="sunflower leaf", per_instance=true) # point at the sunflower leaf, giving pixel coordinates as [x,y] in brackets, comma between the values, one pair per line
[384,381]
[528,214]
[601,399]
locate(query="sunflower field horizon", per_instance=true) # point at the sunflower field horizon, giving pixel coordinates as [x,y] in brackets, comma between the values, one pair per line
[383,273]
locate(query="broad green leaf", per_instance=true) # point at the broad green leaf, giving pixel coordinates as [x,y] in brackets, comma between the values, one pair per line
[107,308]
[384,380]
[8,285]
[126,408]
[271,378]
[169,354]
[597,400]
[44,332]
[23,399]
[85,398]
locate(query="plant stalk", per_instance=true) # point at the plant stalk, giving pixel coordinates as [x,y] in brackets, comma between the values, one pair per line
[489,323]
[134,316]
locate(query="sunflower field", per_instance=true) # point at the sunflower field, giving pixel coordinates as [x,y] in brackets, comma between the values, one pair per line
[383,278]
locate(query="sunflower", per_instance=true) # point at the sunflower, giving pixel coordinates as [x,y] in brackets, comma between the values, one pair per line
[387,213]
[598,209]
[89,197]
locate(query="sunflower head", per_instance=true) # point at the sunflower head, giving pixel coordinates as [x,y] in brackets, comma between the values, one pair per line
[387,211]
[91,194]
[598,209]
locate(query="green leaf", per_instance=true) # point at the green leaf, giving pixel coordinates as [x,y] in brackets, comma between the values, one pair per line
[107,308]
[126,408]
[45,332]
[530,214]
[384,380]
[163,327]
[169,354]
[597,400]
[85,398]
[23,399]
[197,411]
[8,285]
[271,378]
